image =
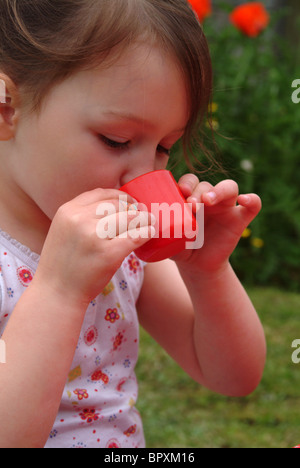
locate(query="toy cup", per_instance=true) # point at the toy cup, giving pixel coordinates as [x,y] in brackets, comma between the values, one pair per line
[158,193]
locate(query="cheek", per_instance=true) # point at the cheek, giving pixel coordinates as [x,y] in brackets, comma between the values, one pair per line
[80,168]
[91,166]
[59,165]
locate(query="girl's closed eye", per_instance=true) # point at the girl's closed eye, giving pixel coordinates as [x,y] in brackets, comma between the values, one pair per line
[161,149]
[118,145]
[123,145]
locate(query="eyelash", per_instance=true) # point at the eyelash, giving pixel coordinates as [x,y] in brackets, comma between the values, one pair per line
[123,146]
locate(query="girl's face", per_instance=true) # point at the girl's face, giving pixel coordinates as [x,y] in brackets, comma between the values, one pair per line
[101,128]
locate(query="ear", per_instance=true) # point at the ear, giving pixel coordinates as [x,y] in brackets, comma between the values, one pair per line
[9,107]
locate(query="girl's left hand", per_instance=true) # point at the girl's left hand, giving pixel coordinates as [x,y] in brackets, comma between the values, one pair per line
[227,215]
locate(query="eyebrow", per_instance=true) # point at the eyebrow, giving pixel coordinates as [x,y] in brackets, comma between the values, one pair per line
[127,116]
[135,119]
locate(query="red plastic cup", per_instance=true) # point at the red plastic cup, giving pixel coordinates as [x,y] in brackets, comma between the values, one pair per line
[159,194]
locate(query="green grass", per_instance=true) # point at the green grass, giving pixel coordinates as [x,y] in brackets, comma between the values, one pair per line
[177,413]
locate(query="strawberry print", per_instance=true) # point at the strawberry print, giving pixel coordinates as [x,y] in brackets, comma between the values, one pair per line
[113,443]
[130,431]
[118,341]
[99,375]
[25,276]
[91,336]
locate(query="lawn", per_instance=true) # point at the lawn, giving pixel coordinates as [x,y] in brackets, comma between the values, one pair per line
[177,413]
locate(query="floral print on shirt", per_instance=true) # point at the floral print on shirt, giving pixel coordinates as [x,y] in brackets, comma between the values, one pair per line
[98,403]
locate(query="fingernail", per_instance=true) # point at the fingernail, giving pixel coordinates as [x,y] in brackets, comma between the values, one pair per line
[133,207]
[212,196]
[246,199]
[123,205]
[192,200]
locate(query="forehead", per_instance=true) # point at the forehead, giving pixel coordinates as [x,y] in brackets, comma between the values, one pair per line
[144,81]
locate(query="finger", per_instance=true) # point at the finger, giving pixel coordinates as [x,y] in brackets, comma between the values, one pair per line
[248,208]
[111,207]
[187,184]
[226,192]
[252,205]
[140,220]
[139,235]
[99,194]
[127,198]
[114,225]
[200,189]
[124,244]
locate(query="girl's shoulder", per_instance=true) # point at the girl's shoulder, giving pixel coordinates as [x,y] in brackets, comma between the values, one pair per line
[17,268]
[12,248]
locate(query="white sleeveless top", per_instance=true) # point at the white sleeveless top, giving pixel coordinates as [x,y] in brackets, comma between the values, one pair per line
[98,404]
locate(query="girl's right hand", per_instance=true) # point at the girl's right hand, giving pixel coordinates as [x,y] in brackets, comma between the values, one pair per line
[88,241]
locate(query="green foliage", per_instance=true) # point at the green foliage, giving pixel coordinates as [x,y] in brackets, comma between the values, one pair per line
[258,142]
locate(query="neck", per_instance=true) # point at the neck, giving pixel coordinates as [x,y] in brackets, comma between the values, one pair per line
[20,217]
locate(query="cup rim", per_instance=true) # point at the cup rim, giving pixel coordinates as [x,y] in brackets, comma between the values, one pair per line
[145,175]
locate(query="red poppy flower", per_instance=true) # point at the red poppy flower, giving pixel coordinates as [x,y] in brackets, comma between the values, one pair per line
[202,8]
[251,18]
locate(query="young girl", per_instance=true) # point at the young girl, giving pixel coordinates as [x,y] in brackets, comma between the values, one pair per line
[96,93]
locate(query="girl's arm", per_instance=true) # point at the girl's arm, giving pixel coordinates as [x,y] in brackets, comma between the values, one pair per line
[43,331]
[200,312]
[207,324]
[41,339]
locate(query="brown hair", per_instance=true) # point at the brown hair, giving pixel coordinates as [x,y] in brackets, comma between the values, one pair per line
[45,41]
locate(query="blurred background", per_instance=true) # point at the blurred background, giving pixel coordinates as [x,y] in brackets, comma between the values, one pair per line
[258,134]
[257,142]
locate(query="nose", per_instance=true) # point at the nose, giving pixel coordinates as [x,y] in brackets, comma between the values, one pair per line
[134,173]
[140,166]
